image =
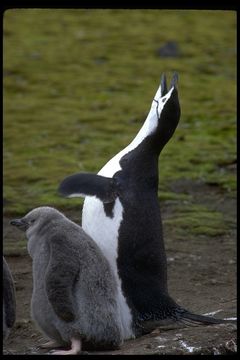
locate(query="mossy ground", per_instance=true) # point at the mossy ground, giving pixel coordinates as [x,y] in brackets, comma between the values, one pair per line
[78,85]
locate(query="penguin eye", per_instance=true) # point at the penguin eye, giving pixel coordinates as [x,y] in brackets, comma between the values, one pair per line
[32,221]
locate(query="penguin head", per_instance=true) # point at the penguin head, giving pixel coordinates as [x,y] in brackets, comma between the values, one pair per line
[162,118]
[35,217]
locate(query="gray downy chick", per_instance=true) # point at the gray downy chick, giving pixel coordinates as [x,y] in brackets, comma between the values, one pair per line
[74,290]
[9,300]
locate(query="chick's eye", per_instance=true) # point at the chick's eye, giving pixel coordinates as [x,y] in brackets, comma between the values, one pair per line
[32,221]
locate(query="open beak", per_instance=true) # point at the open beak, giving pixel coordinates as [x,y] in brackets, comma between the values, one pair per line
[174,81]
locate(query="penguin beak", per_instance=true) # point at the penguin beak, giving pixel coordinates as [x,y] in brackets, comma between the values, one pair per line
[174,81]
[164,88]
[20,223]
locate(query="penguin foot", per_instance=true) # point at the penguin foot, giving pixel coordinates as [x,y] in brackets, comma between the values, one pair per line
[76,347]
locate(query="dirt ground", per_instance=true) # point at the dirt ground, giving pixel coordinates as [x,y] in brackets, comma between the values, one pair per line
[202,278]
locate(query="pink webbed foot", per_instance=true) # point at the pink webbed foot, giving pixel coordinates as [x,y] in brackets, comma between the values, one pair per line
[76,347]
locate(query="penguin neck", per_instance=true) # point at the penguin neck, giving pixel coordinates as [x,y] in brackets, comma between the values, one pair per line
[148,143]
[143,158]
[147,139]
[151,139]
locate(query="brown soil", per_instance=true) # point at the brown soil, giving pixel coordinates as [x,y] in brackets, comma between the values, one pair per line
[202,278]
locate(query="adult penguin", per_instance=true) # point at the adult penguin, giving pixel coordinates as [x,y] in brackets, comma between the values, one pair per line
[121,213]
[9,300]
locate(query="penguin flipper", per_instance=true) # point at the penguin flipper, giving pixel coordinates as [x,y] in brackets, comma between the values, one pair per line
[86,184]
[59,281]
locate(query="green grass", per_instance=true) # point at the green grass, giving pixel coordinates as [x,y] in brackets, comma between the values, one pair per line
[197,220]
[78,85]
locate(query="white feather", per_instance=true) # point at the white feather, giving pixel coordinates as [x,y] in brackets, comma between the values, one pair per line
[104,231]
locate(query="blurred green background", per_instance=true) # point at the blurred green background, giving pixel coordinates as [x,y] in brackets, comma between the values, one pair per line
[79,83]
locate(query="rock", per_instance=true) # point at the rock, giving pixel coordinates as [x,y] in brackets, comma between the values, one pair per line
[192,340]
[169,49]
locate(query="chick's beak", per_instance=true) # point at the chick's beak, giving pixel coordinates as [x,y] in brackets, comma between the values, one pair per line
[20,223]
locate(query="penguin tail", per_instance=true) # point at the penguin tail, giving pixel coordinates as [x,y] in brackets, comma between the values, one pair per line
[178,318]
[191,319]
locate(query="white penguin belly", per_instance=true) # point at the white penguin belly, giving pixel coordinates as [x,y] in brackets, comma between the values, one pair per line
[104,230]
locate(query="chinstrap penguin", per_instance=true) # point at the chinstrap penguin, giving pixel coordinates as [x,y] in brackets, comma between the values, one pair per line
[121,213]
[9,300]
[74,289]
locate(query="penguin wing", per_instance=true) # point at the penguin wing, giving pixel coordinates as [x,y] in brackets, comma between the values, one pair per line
[61,275]
[85,184]
[8,296]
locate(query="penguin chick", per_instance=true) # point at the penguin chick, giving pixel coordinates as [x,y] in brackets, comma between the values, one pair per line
[9,300]
[74,289]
